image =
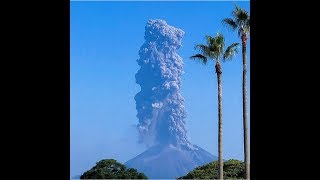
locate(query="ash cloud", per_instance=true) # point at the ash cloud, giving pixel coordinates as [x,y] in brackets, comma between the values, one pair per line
[159,104]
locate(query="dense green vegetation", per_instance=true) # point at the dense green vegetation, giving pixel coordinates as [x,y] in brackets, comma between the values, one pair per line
[111,169]
[232,169]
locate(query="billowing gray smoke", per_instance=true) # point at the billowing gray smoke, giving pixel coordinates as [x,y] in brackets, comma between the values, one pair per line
[160,106]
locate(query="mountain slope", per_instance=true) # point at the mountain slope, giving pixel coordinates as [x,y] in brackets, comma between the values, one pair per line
[168,161]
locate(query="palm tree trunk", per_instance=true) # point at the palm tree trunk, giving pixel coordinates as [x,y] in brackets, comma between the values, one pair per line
[244,108]
[220,154]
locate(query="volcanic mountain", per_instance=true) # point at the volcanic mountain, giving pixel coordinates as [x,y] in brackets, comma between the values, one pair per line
[160,107]
[168,161]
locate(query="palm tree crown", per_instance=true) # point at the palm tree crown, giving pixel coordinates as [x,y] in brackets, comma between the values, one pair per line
[240,21]
[213,49]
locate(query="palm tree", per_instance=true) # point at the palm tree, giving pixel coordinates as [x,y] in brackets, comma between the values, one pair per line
[241,22]
[214,50]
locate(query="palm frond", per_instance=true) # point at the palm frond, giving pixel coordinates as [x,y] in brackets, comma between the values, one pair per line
[237,7]
[214,49]
[242,16]
[200,46]
[219,43]
[219,39]
[230,23]
[230,51]
[204,49]
[200,57]
[242,19]
[235,12]
[210,40]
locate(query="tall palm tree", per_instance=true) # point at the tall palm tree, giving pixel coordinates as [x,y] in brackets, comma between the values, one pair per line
[241,22]
[214,50]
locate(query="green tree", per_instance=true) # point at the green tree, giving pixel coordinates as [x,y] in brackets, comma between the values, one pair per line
[233,169]
[241,22]
[214,50]
[111,169]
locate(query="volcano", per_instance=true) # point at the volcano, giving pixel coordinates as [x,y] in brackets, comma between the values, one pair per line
[169,162]
[160,107]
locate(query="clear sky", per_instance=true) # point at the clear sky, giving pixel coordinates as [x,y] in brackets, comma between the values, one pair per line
[105,39]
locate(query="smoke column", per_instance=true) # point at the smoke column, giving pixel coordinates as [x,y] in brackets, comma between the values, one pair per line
[159,104]
[160,108]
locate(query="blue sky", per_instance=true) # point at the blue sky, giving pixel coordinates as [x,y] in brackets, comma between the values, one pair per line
[105,39]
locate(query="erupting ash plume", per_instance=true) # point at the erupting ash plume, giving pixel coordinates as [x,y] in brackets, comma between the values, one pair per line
[160,106]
